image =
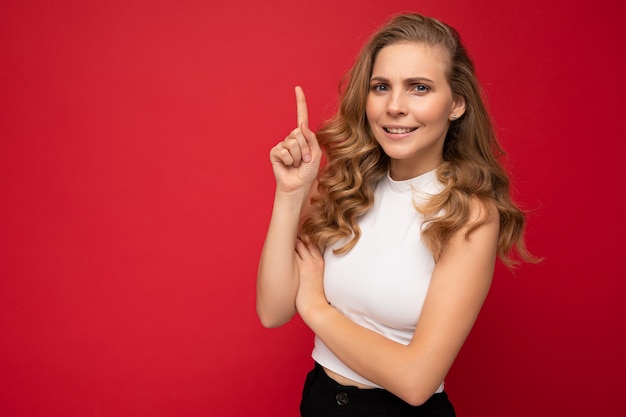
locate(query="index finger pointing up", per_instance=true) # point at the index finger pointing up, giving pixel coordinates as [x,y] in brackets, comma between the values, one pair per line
[301,108]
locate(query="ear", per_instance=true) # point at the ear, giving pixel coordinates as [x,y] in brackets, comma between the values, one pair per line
[458,108]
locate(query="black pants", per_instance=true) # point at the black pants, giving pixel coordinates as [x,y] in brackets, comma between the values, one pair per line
[324,397]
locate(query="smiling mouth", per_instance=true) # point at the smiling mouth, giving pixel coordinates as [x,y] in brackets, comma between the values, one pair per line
[397,130]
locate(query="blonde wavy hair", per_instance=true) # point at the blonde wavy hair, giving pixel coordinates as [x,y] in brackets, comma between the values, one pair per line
[355,162]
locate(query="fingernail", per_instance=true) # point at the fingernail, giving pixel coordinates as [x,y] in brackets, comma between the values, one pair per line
[307,158]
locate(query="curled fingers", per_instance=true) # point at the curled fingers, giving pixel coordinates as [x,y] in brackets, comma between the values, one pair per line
[306,249]
[293,150]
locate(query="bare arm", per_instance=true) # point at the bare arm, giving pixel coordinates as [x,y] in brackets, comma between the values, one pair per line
[459,285]
[295,162]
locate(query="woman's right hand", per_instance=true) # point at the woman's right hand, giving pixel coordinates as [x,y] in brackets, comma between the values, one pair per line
[296,159]
[295,162]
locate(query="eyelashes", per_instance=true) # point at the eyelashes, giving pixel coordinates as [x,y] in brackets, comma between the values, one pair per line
[417,88]
[379,88]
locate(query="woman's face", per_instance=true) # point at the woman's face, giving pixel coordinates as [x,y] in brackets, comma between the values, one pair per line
[410,106]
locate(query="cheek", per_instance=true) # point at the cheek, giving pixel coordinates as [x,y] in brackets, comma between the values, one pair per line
[372,108]
[435,112]
[368,110]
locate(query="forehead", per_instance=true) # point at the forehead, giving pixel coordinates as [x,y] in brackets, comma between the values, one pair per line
[410,60]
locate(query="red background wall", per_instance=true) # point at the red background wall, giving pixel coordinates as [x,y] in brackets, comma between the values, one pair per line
[135,192]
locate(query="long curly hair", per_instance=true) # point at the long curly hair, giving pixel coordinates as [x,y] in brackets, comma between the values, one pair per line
[355,162]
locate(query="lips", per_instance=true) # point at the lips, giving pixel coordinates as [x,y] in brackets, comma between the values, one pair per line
[399,130]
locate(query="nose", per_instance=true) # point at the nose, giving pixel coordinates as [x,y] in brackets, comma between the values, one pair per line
[397,105]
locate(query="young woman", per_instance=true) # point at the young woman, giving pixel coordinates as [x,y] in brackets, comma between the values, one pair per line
[388,253]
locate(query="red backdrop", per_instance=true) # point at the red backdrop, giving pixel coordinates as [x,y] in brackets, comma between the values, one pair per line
[136,190]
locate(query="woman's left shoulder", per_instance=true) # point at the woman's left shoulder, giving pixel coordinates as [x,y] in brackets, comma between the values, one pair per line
[482,212]
[472,250]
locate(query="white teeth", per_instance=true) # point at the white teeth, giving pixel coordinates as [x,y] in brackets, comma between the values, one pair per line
[398,130]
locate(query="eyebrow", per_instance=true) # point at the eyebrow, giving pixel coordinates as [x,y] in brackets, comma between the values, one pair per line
[407,81]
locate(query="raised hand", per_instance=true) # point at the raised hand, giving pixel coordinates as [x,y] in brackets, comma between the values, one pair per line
[296,159]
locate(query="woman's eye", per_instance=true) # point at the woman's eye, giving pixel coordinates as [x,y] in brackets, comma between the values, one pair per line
[379,87]
[421,88]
